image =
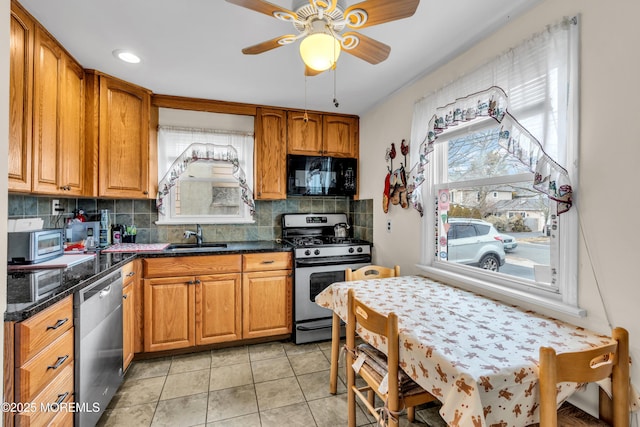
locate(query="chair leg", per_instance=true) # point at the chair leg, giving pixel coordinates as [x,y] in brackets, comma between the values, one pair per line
[411,414]
[335,353]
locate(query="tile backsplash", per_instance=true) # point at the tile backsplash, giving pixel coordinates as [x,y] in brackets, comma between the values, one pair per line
[143,214]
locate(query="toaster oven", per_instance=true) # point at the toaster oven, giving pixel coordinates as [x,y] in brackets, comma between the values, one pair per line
[32,247]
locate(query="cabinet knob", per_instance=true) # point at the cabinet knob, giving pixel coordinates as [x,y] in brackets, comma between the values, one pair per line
[145,193]
[198,281]
[191,282]
[131,273]
[125,296]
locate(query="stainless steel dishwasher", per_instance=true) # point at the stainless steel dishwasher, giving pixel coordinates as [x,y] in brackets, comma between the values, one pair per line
[97,312]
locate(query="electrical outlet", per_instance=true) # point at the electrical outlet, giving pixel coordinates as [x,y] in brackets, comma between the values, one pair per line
[55,205]
[389,226]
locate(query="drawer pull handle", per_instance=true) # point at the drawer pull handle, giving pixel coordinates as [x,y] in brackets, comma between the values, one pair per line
[268,262]
[59,362]
[58,323]
[61,398]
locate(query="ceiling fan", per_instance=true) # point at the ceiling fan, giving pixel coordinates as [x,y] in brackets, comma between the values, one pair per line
[320,23]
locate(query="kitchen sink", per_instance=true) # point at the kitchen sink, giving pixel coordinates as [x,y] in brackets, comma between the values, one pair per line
[194,247]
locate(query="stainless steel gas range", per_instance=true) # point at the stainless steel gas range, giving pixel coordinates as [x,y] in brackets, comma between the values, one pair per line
[320,259]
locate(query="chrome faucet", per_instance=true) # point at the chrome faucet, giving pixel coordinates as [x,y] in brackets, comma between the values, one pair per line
[197,234]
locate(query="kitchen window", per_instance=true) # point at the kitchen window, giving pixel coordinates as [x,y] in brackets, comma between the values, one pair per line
[206,176]
[475,171]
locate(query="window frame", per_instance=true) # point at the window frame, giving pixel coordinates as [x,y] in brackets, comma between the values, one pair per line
[563,300]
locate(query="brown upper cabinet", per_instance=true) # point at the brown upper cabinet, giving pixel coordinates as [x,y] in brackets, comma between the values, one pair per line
[118,122]
[270,155]
[46,144]
[20,99]
[316,134]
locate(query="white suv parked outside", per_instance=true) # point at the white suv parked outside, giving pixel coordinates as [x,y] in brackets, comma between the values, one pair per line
[475,242]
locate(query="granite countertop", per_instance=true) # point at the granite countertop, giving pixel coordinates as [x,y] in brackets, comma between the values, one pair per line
[25,298]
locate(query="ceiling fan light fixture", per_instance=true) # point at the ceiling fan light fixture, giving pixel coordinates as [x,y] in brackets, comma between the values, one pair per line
[320,51]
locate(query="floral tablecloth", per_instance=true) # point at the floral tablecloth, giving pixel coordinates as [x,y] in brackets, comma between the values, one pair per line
[478,356]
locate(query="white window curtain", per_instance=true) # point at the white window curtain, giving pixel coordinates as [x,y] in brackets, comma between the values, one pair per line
[179,147]
[539,79]
[172,141]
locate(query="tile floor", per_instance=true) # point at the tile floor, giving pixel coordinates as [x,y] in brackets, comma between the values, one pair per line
[274,384]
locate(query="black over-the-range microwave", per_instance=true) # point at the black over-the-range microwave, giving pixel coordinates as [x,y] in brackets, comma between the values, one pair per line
[321,176]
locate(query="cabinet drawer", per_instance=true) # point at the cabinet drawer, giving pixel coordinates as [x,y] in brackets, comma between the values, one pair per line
[192,265]
[59,390]
[43,368]
[266,261]
[128,273]
[35,333]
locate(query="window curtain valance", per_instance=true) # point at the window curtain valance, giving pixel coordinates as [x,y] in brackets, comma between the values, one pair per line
[533,95]
[204,153]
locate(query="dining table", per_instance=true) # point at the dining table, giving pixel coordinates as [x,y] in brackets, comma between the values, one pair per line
[476,355]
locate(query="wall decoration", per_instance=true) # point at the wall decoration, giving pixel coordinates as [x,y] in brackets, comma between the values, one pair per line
[395,182]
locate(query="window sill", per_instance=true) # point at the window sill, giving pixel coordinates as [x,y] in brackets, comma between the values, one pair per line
[497,291]
[202,221]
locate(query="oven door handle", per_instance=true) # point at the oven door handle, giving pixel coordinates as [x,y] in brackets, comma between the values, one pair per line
[346,261]
[313,328]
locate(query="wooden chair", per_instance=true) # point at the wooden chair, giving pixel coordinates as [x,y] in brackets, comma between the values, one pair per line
[363,273]
[402,390]
[586,366]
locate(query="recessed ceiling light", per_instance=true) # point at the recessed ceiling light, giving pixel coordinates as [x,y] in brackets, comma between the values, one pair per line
[126,56]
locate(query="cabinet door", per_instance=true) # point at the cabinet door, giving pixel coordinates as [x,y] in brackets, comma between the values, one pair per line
[128,325]
[304,136]
[340,136]
[20,99]
[266,308]
[48,70]
[169,309]
[218,308]
[270,155]
[123,140]
[72,159]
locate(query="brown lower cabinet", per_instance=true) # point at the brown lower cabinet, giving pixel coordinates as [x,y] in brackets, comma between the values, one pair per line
[39,363]
[191,301]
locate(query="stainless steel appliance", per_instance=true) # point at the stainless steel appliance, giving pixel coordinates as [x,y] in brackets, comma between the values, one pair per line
[97,312]
[321,176]
[320,259]
[32,247]
[88,231]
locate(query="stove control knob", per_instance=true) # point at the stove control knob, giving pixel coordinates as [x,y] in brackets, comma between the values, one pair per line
[359,248]
[316,252]
[351,250]
[307,252]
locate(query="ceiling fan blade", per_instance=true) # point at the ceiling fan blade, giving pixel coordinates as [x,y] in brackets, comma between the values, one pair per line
[266,8]
[267,45]
[310,72]
[366,48]
[378,12]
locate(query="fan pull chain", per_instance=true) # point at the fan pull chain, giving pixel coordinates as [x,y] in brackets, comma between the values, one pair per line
[305,118]
[335,67]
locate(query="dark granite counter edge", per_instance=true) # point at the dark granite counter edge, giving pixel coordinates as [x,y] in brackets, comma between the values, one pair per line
[235,248]
[65,292]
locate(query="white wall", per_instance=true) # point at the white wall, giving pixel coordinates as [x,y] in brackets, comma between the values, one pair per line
[4,150]
[607,190]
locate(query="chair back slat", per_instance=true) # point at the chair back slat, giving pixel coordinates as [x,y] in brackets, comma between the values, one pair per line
[371,272]
[586,366]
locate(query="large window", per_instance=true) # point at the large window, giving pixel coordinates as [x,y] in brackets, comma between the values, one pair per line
[486,222]
[206,176]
